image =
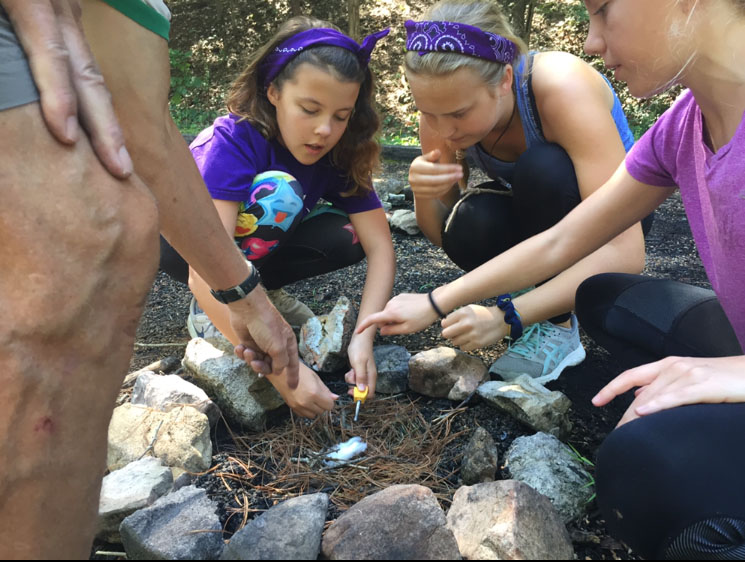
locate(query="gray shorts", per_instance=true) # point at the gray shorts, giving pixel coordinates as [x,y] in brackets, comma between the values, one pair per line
[16,84]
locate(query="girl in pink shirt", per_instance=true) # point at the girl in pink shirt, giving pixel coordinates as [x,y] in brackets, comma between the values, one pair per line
[670,478]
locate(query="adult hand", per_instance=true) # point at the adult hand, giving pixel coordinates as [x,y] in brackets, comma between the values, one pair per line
[311,397]
[430,179]
[474,326]
[403,314]
[363,373]
[70,85]
[677,381]
[268,343]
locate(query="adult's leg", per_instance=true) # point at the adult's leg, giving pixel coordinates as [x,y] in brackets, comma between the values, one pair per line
[639,319]
[670,484]
[79,251]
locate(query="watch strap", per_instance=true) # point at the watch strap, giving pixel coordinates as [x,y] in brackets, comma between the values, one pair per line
[239,291]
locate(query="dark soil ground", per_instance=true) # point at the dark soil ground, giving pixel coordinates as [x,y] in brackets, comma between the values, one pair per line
[421,266]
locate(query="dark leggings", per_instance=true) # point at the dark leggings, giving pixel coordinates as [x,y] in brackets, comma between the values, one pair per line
[489,219]
[322,242]
[669,484]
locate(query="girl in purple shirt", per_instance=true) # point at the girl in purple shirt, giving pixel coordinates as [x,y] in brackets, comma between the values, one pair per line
[302,128]
[670,477]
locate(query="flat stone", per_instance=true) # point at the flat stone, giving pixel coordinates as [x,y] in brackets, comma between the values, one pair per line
[392,363]
[507,520]
[554,470]
[436,371]
[404,219]
[531,403]
[290,530]
[161,392]
[324,339]
[179,437]
[244,398]
[128,489]
[180,526]
[402,522]
[480,458]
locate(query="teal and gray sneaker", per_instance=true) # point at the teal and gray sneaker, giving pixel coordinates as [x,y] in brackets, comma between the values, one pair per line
[199,324]
[542,352]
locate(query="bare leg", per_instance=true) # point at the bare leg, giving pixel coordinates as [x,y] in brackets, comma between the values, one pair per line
[78,254]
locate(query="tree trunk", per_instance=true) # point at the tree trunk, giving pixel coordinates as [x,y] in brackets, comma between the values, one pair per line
[353,8]
[296,8]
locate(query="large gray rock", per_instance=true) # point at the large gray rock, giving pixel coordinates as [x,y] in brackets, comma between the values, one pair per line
[290,530]
[436,371]
[402,522]
[180,526]
[480,458]
[324,339]
[551,468]
[507,520]
[128,489]
[243,397]
[531,403]
[392,363]
[180,437]
[404,219]
[161,392]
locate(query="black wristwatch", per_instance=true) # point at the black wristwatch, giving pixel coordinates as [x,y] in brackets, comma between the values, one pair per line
[239,291]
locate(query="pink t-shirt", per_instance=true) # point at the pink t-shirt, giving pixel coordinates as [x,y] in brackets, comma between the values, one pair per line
[712,186]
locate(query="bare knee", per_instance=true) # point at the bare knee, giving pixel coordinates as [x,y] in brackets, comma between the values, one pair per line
[75,238]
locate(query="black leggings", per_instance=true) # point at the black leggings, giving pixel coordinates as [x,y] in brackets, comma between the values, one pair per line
[321,243]
[670,484]
[490,219]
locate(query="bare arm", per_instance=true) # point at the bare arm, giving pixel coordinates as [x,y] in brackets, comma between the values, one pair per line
[621,202]
[375,236]
[136,66]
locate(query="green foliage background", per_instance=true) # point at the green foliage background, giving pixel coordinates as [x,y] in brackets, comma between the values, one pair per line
[212,39]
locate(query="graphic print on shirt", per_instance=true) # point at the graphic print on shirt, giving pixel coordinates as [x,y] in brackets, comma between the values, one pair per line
[275,202]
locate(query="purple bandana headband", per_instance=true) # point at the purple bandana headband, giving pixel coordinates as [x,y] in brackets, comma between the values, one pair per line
[275,61]
[451,37]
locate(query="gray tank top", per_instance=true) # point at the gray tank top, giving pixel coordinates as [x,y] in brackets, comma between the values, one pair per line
[503,171]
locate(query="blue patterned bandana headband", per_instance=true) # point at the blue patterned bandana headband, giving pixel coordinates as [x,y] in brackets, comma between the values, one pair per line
[275,61]
[452,37]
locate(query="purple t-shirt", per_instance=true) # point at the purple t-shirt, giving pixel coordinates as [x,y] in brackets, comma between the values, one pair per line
[230,153]
[712,186]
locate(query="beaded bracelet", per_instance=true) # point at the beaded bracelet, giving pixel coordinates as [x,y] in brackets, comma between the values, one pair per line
[437,308]
[511,316]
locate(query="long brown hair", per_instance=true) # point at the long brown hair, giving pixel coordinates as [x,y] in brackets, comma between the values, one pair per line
[357,153]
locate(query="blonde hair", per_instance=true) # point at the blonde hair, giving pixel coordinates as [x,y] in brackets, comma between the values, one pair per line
[357,154]
[484,14]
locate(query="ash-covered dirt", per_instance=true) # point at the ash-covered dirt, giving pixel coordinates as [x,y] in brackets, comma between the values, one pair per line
[421,267]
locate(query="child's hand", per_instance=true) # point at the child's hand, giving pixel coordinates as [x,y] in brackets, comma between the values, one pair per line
[429,178]
[474,326]
[363,372]
[310,398]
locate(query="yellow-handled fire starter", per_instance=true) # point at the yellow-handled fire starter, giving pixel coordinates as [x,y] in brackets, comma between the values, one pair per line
[359,396]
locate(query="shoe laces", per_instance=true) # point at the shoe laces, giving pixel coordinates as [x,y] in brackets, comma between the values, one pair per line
[530,342]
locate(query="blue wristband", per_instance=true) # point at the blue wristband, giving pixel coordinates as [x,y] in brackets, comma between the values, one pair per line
[511,316]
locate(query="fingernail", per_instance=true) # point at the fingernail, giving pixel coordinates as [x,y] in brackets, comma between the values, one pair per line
[125,161]
[71,129]
[361,387]
[335,395]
